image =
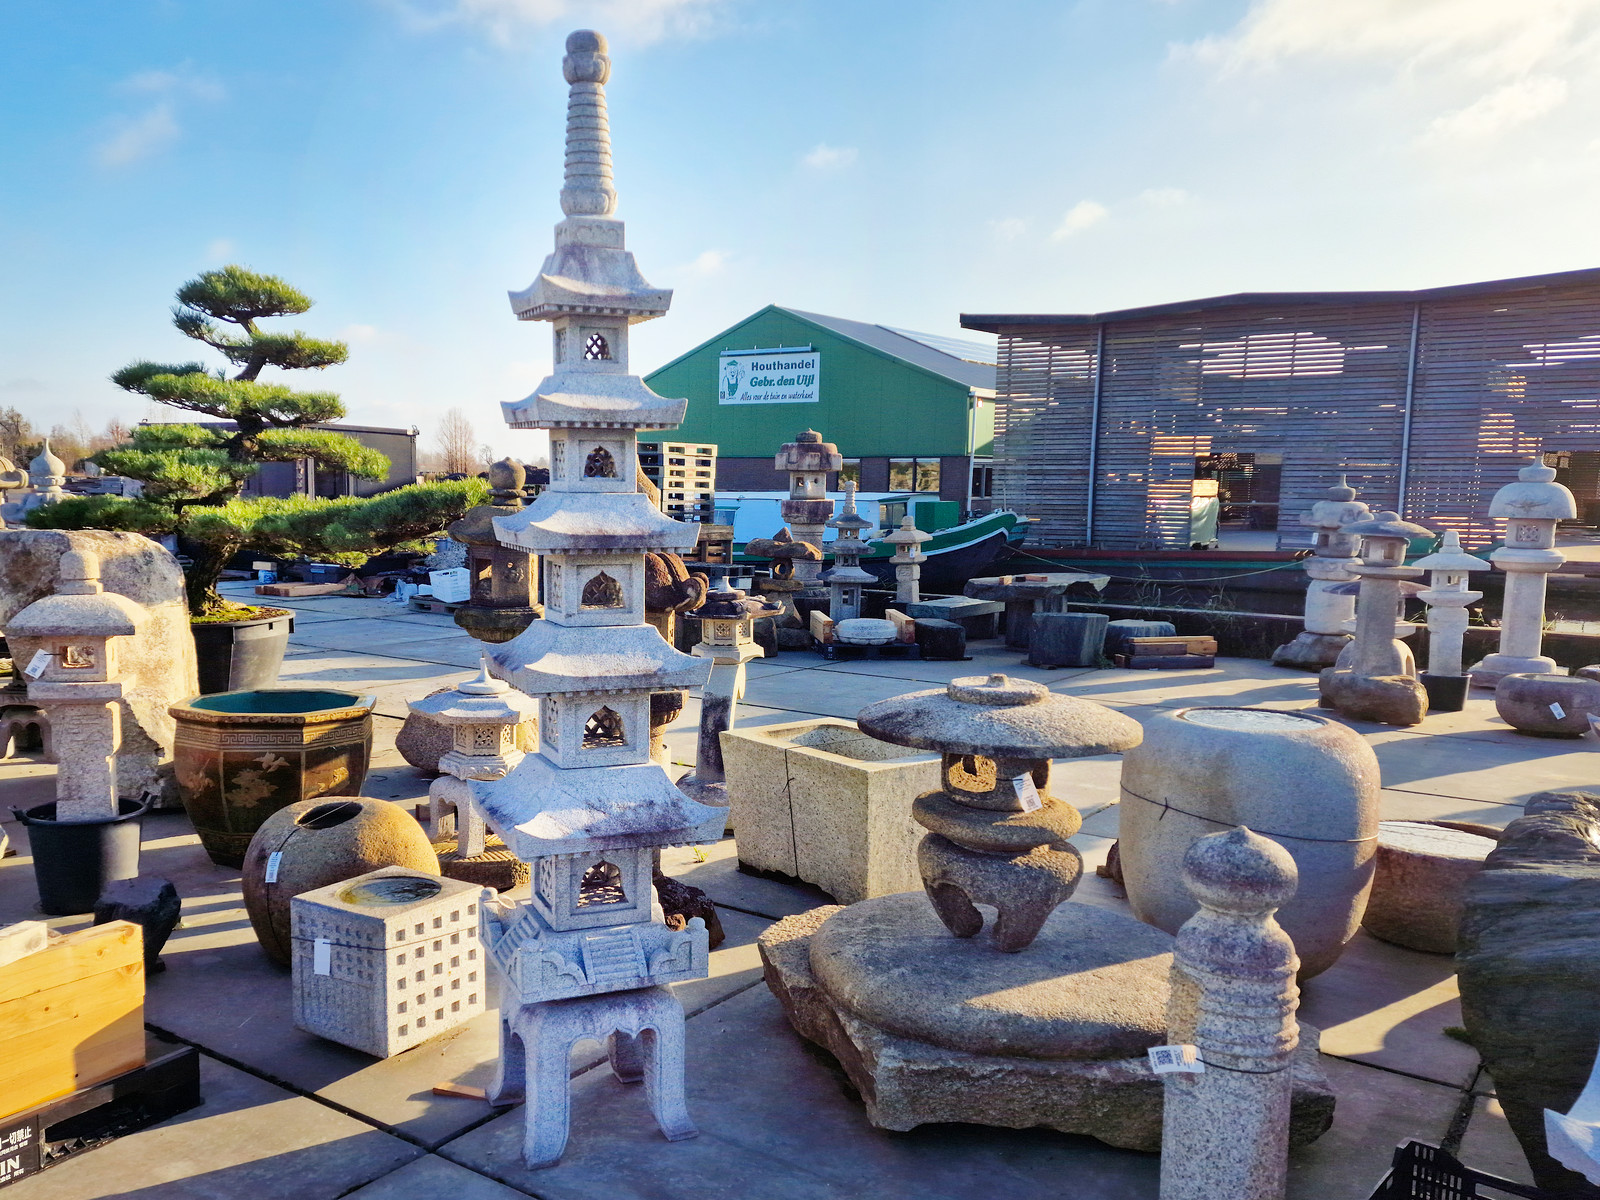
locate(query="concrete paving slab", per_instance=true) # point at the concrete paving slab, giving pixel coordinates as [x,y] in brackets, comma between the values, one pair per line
[1388,1006]
[1376,1111]
[1475,770]
[777,1121]
[824,693]
[720,878]
[247,1138]
[983,660]
[1241,682]
[431,1176]
[1490,1146]
[349,635]
[455,651]
[1399,804]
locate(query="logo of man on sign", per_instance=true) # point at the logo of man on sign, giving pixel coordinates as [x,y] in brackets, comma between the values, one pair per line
[732,376]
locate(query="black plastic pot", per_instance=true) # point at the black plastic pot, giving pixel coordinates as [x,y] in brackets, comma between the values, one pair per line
[1446,693]
[74,860]
[241,656]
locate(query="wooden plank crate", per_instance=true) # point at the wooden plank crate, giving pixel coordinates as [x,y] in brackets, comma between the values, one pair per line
[299,589]
[1168,653]
[71,1015]
[168,1084]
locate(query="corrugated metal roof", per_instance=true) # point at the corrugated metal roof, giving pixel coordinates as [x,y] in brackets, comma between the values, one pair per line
[994,322]
[910,347]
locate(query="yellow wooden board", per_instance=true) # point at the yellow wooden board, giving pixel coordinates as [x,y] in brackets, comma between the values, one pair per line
[71,1015]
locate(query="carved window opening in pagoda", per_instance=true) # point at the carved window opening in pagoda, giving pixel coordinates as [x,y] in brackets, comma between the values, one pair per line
[486,739]
[601,884]
[973,773]
[599,464]
[597,349]
[78,657]
[602,729]
[602,592]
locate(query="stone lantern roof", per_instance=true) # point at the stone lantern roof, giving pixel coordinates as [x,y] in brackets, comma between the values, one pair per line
[727,603]
[1386,525]
[482,700]
[1000,717]
[848,518]
[908,535]
[46,467]
[808,452]
[1451,557]
[80,607]
[1535,496]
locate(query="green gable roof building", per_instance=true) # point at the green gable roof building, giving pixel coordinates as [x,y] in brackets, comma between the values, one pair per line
[908,411]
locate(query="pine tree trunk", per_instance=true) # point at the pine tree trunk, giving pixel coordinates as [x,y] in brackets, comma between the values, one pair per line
[200,580]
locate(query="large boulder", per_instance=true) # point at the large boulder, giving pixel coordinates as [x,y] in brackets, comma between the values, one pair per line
[1529,964]
[157,665]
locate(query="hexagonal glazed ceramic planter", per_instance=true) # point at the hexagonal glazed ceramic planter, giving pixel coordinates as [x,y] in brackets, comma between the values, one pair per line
[241,756]
[823,802]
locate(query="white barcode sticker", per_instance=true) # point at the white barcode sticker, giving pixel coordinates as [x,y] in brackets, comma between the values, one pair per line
[322,956]
[1559,712]
[37,664]
[1165,1060]
[273,860]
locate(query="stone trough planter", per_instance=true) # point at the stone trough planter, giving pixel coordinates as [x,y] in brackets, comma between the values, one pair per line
[241,756]
[823,802]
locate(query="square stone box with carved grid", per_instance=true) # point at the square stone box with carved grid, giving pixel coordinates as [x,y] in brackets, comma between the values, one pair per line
[387,960]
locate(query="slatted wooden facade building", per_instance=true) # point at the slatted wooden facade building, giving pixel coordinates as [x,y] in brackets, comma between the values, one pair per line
[1429,401]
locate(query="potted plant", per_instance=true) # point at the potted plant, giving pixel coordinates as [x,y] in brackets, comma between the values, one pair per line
[193,474]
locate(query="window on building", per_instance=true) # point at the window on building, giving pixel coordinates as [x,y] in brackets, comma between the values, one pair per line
[850,472]
[982,480]
[913,474]
[927,475]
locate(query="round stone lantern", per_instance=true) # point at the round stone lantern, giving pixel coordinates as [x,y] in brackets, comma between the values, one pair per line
[504,578]
[1375,677]
[1531,508]
[1447,599]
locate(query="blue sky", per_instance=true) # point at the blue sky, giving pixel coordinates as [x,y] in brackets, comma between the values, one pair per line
[898,161]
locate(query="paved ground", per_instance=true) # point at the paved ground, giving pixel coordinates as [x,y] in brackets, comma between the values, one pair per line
[288,1115]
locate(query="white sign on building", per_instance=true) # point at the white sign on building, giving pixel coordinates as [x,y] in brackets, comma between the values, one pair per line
[769,377]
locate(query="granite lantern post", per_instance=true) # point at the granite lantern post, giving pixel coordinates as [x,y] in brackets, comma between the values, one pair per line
[483,715]
[1531,508]
[86,838]
[505,579]
[727,638]
[1327,611]
[588,955]
[907,559]
[1447,599]
[1375,678]
[845,578]
[808,459]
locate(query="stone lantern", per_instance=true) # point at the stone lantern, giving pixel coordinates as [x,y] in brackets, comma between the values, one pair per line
[727,618]
[76,679]
[1375,677]
[1328,608]
[1531,509]
[908,559]
[11,480]
[1447,599]
[46,474]
[845,578]
[808,459]
[483,715]
[504,578]
[590,808]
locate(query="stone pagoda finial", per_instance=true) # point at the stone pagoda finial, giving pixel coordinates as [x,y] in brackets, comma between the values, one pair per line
[589,191]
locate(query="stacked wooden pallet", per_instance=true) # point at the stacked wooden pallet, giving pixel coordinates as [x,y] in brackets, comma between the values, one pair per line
[1168,653]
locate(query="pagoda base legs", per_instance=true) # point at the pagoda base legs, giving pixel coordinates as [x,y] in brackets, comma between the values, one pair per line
[1024,888]
[643,1031]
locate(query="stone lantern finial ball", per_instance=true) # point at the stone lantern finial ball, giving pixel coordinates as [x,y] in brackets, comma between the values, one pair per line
[586,60]
[507,475]
[1240,871]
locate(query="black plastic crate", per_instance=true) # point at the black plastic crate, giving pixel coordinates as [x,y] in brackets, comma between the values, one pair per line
[1423,1172]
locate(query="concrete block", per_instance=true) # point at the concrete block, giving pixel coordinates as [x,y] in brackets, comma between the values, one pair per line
[823,802]
[941,639]
[1066,639]
[980,618]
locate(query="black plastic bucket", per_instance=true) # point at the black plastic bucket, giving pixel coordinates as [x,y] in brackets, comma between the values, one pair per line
[1446,693]
[74,860]
[240,656]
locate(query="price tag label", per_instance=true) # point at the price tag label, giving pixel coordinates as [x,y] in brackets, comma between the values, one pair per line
[322,956]
[1557,711]
[273,860]
[1167,1060]
[37,664]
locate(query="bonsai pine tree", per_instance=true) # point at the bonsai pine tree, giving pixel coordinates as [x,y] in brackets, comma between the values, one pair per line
[193,474]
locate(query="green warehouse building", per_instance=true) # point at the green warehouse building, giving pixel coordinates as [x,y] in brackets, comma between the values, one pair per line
[908,411]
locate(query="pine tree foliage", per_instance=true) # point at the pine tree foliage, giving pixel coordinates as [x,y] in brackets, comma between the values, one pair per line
[193,474]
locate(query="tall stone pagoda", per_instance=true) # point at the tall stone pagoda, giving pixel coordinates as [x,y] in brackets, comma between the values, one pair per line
[588,954]
[845,578]
[808,459]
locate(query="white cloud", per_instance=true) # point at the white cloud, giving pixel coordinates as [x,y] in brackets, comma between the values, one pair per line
[1079,217]
[709,262]
[360,334]
[1165,197]
[139,137]
[1502,109]
[184,81]
[830,158]
[503,20]
[219,248]
[1008,229]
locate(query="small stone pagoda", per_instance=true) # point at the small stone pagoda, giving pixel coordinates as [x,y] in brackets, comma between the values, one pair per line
[845,578]
[589,809]
[908,559]
[1327,607]
[808,459]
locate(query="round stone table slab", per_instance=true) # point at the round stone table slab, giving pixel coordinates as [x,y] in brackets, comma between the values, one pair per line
[1093,985]
[1420,886]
